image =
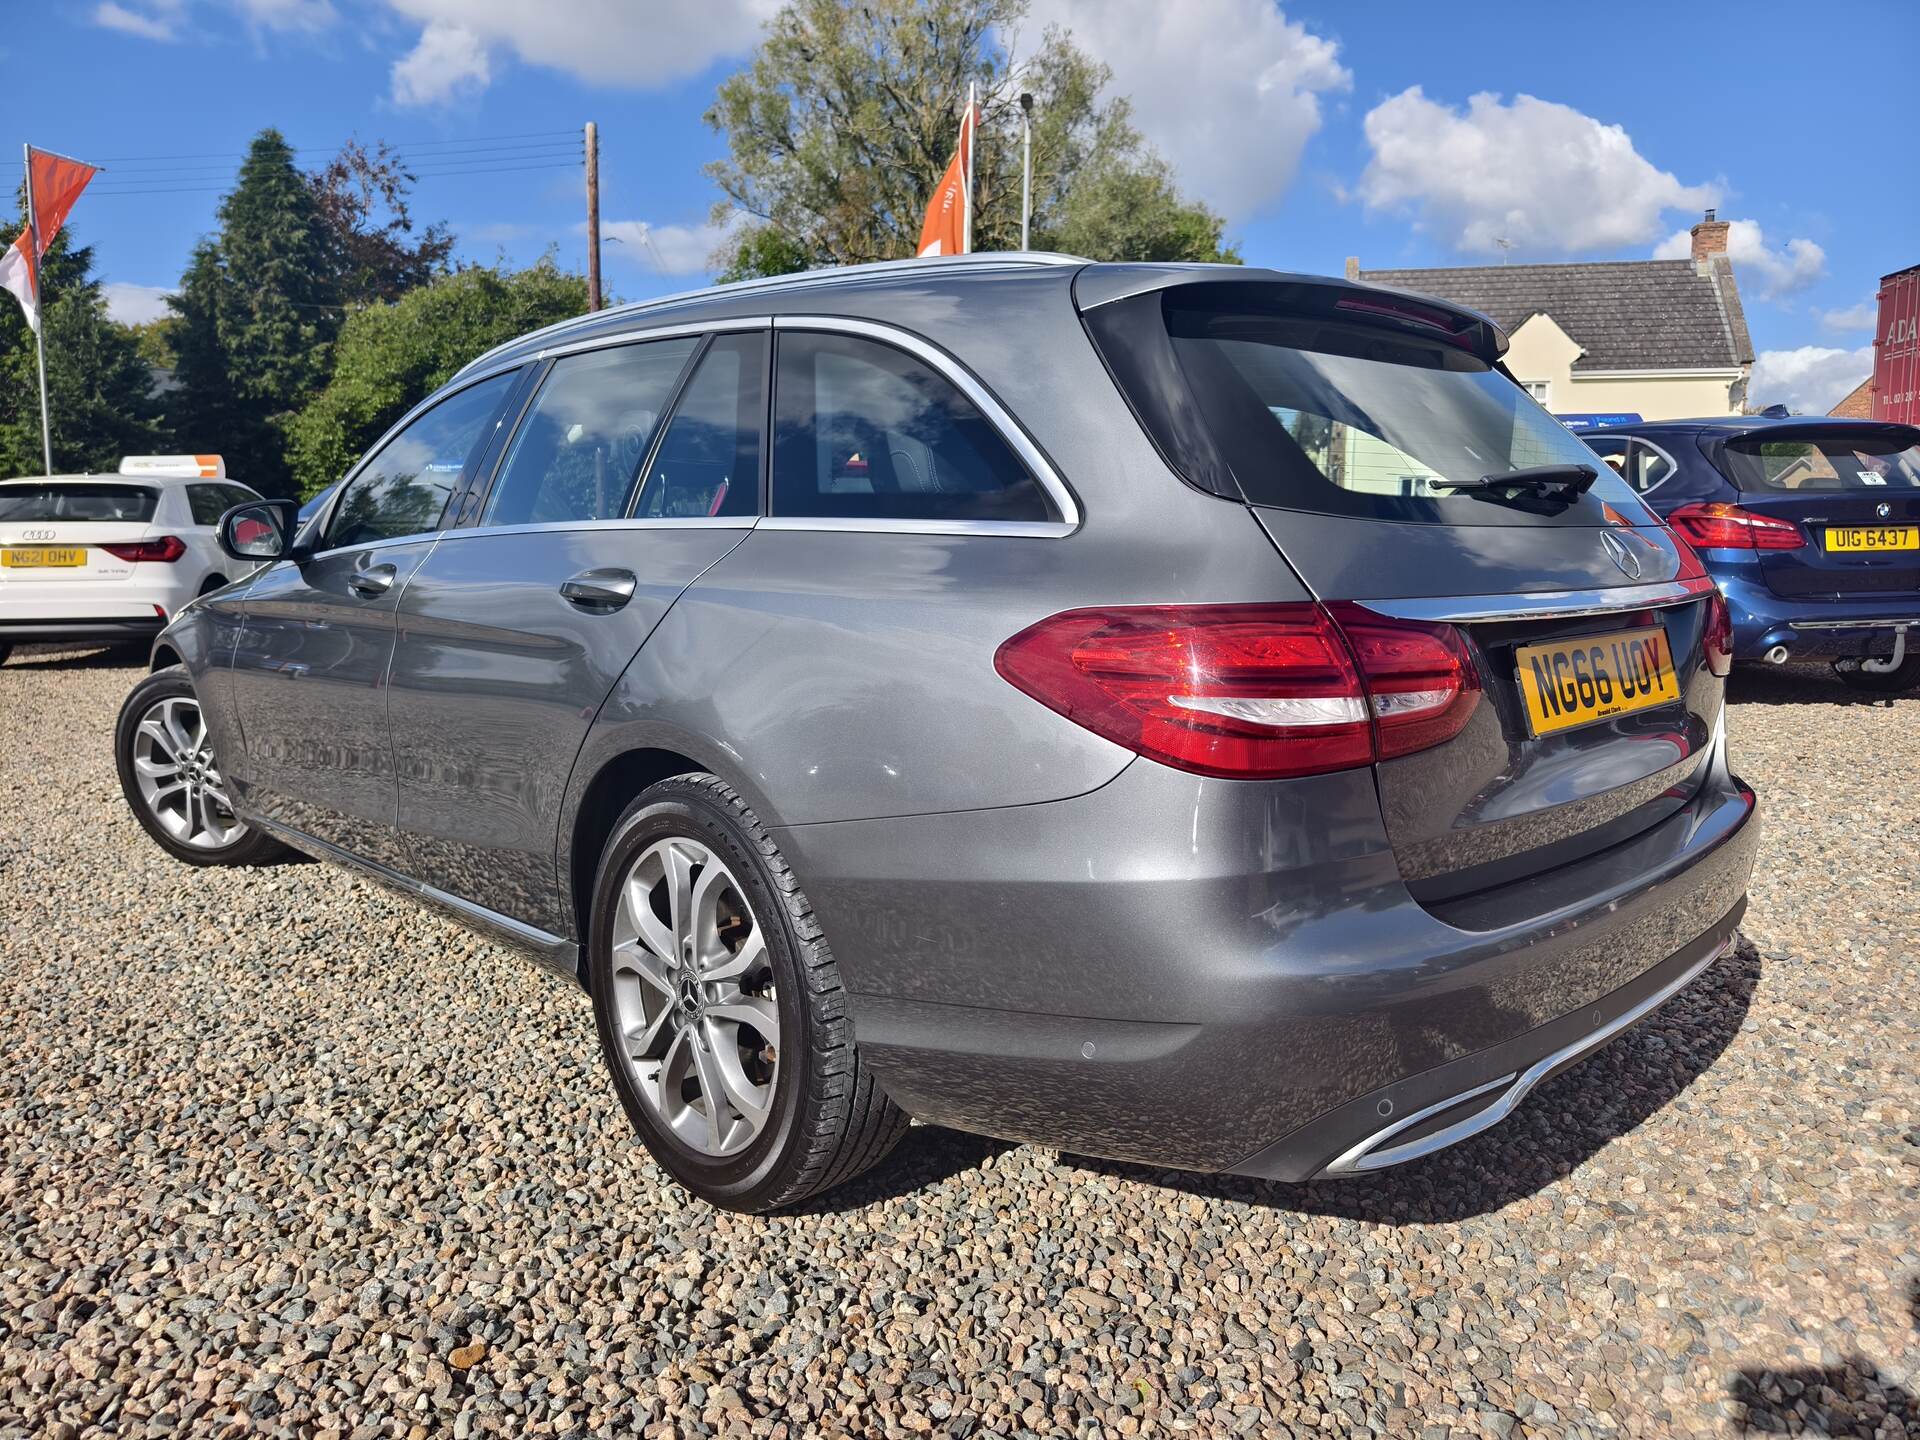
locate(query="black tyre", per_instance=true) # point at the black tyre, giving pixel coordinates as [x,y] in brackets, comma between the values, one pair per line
[5,650]
[1886,682]
[172,779]
[720,1009]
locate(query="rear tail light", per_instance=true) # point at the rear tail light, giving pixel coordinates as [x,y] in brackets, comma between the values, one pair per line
[1718,639]
[165,548]
[1248,691]
[1717,526]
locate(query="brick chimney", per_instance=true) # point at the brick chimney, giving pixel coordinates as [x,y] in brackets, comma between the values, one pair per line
[1709,238]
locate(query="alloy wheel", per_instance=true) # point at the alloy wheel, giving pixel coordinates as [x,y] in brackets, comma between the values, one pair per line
[693,997]
[179,778]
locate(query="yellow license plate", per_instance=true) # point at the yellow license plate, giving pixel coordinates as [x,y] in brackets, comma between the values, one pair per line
[1575,682]
[16,558]
[1842,538]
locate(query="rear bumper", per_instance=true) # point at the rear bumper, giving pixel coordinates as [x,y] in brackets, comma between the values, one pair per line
[40,632]
[1811,627]
[1217,975]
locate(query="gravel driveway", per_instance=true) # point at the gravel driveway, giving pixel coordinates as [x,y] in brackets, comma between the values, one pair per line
[282,1154]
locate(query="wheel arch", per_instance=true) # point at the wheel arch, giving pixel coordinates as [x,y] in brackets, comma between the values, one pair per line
[164,655]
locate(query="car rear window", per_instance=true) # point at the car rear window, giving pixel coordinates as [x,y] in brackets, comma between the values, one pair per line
[1343,418]
[78,500]
[1827,462]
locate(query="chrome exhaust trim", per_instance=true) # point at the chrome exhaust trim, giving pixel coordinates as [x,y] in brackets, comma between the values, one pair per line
[1369,1154]
[1777,655]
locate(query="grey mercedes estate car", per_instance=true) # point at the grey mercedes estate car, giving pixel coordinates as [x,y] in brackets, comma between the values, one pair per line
[1180,714]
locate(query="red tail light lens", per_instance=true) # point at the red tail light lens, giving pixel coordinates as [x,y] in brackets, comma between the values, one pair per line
[1248,691]
[1716,526]
[1718,640]
[164,548]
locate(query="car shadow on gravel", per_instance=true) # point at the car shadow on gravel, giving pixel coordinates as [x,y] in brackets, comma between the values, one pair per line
[928,1155]
[1796,685]
[1563,1123]
[1851,1398]
[45,657]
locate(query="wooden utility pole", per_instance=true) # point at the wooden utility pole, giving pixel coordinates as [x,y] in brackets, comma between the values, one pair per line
[593,216]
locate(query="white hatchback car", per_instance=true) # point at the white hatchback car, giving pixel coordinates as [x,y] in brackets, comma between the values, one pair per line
[107,559]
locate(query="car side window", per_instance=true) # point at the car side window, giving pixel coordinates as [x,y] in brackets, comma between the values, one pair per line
[208,503]
[708,463]
[403,488]
[863,430]
[577,453]
[1647,467]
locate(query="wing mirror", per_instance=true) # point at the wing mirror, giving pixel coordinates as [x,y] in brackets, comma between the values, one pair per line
[261,530]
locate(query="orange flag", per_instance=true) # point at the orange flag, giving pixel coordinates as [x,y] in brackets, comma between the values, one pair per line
[57,183]
[948,228]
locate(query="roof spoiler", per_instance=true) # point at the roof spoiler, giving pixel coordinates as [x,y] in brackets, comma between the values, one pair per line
[203,467]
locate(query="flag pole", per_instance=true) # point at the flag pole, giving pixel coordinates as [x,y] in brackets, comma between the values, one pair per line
[40,310]
[970,132]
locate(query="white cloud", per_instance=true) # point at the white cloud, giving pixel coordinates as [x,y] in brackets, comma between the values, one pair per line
[1782,272]
[1808,381]
[1863,316]
[606,42]
[158,21]
[1227,90]
[135,304]
[1541,175]
[449,62]
[668,249]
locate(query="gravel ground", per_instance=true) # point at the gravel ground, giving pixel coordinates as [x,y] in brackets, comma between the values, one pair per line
[281,1154]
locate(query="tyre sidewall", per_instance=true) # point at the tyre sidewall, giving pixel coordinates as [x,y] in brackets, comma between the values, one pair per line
[162,684]
[682,808]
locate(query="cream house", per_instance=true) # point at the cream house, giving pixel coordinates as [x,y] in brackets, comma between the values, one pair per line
[1662,339]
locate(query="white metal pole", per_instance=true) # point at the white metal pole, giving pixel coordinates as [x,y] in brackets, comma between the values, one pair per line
[968,134]
[1026,169]
[40,311]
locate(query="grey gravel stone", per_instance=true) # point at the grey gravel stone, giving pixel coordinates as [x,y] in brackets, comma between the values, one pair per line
[275,1145]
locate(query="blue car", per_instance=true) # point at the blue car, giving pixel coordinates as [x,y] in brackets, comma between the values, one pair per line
[1810,526]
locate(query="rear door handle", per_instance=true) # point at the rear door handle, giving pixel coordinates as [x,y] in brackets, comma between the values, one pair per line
[373,580]
[599,591]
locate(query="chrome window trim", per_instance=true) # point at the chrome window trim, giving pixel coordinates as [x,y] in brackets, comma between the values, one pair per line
[1541,604]
[963,380]
[457,385]
[1005,529]
[552,527]
[805,280]
[664,332]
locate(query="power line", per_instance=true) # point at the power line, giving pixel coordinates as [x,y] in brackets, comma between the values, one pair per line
[547,150]
[308,149]
[426,175]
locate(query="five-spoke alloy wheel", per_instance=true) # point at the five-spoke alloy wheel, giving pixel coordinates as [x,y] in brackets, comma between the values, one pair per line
[694,996]
[720,1008]
[173,780]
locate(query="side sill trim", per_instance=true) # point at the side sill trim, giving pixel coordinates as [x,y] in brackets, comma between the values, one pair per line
[1368,1155]
[550,951]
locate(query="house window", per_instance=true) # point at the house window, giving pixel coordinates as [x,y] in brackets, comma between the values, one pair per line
[1540,390]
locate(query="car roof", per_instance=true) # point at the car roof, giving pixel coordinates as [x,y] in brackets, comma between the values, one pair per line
[1730,425]
[873,288]
[109,477]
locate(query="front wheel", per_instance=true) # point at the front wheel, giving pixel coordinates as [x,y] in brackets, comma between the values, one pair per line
[1897,681]
[172,778]
[720,1009]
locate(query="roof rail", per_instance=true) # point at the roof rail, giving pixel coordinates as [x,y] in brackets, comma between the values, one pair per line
[804,279]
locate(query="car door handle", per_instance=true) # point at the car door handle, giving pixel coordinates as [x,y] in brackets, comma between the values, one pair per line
[373,580]
[599,590]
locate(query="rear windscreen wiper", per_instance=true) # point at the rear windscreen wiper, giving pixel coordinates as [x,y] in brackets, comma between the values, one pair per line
[1568,480]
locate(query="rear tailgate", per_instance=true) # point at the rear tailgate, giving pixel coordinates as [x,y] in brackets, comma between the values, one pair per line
[54,532]
[1853,492]
[1362,437]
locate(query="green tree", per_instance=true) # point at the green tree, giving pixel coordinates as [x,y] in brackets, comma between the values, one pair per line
[844,120]
[389,357]
[98,388]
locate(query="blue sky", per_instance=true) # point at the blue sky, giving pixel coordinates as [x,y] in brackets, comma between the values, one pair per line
[1406,134]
